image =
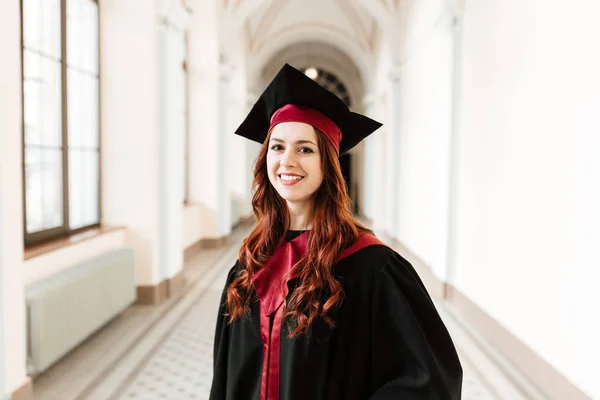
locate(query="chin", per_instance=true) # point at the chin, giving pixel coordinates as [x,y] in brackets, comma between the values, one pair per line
[292,197]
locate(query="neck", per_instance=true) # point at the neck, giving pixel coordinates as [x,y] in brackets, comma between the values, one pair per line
[298,216]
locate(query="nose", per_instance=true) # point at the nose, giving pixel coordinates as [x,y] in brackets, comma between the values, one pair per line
[288,159]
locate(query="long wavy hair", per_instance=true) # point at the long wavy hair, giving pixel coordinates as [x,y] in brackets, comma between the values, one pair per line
[319,293]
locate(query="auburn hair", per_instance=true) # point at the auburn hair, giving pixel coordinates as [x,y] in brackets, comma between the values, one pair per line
[333,229]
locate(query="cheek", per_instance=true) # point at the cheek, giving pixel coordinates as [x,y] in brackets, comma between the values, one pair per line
[317,172]
[271,167]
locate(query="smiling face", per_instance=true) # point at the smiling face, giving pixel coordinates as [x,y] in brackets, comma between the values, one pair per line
[294,163]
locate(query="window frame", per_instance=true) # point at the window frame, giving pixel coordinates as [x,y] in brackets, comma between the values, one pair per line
[46,235]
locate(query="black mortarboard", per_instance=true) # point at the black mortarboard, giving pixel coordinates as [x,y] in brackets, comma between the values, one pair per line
[291,86]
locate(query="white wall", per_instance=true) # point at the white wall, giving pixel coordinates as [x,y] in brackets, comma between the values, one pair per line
[172,129]
[529,221]
[11,224]
[237,153]
[424,143]
[209,82]
[376,103]
[407,159]
[129,103]
[1,261]
[197,221]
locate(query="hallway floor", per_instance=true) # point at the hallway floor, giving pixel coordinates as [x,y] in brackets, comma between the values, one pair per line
[165,352]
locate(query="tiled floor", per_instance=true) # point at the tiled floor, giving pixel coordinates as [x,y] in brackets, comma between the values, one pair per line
[173,359]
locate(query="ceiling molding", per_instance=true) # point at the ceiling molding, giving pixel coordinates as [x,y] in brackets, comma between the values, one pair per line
[175,14]
[245,9]
[384,5]
[237,4]
[262,29]
[352,16]
[247,36]
[346,45]
[379,12]
[304,26]
[373,34]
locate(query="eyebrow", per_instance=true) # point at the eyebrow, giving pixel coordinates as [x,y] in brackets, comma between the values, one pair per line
[297,142]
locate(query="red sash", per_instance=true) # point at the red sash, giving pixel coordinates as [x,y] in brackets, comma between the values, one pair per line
[272,292]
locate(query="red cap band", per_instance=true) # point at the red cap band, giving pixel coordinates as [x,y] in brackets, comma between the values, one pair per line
[293,113]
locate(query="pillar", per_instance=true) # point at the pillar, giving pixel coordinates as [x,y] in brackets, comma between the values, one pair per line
[208,77]
[392,155]
[174,20]
[131,153]
[12,292]
[455,140]
[368,184]
[2,392]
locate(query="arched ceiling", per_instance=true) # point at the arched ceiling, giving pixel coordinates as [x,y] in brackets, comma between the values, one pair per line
[284,17]
[270,26]
[358,28]
[323,56]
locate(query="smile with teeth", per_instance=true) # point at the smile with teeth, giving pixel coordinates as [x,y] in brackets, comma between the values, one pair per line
[290,177]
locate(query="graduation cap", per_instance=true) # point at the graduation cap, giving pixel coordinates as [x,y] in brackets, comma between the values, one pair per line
[293,96]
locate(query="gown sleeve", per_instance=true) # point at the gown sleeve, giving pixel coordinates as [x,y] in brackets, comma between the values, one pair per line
[221,345]
[413,356]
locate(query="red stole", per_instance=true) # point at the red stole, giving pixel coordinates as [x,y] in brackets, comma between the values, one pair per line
[272,292]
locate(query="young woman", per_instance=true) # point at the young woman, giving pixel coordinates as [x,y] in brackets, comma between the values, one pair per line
[317,308]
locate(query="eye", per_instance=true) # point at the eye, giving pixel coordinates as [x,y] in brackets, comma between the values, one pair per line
[276,147]
[306,150]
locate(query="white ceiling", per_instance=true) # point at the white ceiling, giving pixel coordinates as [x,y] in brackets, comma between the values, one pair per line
[271,26]
[274,19]
[354,27]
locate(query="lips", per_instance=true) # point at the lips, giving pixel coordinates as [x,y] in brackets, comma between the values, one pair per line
[290,179]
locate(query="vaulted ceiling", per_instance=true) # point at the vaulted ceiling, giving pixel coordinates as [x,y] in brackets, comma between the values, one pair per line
[357,29]
[271,26]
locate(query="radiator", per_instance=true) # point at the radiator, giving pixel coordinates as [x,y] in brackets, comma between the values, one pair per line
[65,309]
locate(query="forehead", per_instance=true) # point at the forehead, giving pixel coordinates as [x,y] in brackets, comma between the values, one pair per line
[294,131]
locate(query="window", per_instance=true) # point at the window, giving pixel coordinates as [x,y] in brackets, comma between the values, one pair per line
[331,82]
[61,138]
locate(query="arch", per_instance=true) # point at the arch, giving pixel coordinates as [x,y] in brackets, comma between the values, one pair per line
[322,56]
[316,34]
[245,9]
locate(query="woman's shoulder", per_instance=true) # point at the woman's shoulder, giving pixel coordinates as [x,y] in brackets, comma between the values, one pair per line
[372,257]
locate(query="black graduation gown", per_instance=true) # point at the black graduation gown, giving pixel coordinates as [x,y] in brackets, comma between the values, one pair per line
[389,342]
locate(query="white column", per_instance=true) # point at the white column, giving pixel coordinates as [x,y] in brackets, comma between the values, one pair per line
[392,155]
[454,167]
[12,292]
[129,118]
[237,159]
[252,149]
[171,136]
[2,393]
[249,152]
[369,172]
[207,85]
[377,145]
[224,138]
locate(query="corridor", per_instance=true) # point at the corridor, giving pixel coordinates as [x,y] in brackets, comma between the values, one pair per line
[172,358]
[126,188]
